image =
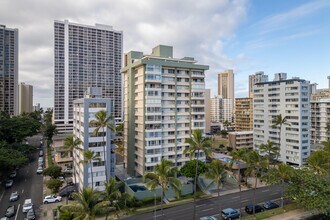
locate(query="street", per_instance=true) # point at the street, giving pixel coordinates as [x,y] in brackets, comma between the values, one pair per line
[211,207]
[28,184]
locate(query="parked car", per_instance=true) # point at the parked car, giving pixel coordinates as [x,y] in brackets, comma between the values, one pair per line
[257,208]
[14,196]
[40,170]
[41,153]
[41,159]
[230,213]
[68,170]
[52,198]
[61,178]
[270,205]
[13,174]
[4,218]
[10,212]
[30,215]
[27,205]
[208,218]
[9,183]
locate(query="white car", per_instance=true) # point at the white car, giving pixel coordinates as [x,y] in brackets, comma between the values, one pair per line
[27,205]
[14,196]
[40,170]
[13,174]
[52,198]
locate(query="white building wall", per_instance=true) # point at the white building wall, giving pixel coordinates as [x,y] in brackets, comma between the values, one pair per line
[290,98]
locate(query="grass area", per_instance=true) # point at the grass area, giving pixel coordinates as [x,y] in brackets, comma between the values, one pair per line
[219,140]
[273,212]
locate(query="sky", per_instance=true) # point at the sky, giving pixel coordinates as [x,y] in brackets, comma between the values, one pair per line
[244,35]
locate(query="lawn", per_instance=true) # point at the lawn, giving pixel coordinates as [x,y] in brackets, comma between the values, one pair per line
[273,212]
[219,140]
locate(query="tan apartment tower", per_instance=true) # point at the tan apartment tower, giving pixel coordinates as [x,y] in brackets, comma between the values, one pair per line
[164,101]
[243,114]
[25,98]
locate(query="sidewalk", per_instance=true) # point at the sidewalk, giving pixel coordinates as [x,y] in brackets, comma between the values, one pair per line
[292,215]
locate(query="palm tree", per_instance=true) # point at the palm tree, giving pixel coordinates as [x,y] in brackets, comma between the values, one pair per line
[112,193]
[197,143]
[280,174]
[256,164]
[226,124]
[319,162]
[163,175]
[87,205]
[278,122]
[237,156]
[71,144]
[325,146]
[271,151]
[103,121]
[89,157]
[216,172]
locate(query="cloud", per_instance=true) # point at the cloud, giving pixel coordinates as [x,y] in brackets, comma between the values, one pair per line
[289,18]
[194,28]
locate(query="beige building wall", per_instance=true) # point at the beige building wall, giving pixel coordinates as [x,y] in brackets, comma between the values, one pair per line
[25,98]
[241,139]
[207,110]
[226,85]
[243,114]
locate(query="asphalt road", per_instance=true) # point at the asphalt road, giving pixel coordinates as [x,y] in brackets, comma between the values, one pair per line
[211,207]
[28,184]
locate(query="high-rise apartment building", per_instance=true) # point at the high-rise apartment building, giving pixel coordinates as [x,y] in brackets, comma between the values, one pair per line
[25,98]
[290,98]
[256,78]
[216,109]
[83,113]
[207,110]
[8,70]
[85,56]
[226,84]
[243,114]
[163,104]
[320,118]
[226,92]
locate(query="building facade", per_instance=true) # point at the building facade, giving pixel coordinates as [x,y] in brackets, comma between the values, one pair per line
[85,56]
[207,110]
[216,109]
[290,98]
[164,102]
[241,139]
[243,114]
[256,78]
[8,70]
[320,119]
[25,98]
[83,113]
[226,84]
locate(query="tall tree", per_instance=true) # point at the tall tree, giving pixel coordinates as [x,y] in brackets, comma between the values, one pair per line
[319,161]
[257,164]
[89,157]
[87,205]
[226,124]
[103,121]
[217,173]
[280,174]
[237,156]
[278,122]
[71,144]
[197,143]
[271,151]
[164,175]
[112,193]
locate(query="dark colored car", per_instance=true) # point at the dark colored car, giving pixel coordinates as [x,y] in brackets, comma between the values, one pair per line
[30,215]
[67,190]
[10,212]
[270,205]
[230,213]
[257,208]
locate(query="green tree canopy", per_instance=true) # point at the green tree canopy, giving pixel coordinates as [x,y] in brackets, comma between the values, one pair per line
[189,169]
[53,171]
[54,185]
